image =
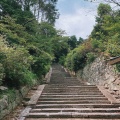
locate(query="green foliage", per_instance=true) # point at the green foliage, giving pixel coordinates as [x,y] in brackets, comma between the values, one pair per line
[16,65]
[77,58]
[29,41]
[113,49]
[97,45]
[46,30]
[103,9]
[80,41]
[118,67]
[59,47]
[72,42]
[10,93]
[1,73]
[90,57]
[105,35]
[23,10]
[62,60]
[41,64]
[104,39]
[29,78]
[15,33]
[116,2]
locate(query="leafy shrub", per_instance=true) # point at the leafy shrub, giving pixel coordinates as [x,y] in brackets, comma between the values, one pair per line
[76,59]
[68,61]
[29,78]
[16,63]
[17,67]
[90,57]
[10,93]
[2,56]
[41,64]
[1,73]
[113,49]
[62,60]
[97,45]
[118,67]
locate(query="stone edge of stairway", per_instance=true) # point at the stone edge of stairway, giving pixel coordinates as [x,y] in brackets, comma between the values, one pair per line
[31,102]
[111,98]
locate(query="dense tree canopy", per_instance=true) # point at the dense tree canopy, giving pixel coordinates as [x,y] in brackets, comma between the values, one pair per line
[26,43]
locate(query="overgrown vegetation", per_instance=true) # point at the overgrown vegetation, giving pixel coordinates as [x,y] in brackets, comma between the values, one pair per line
[25,42]
[29,42]
[118,67]
[104,39]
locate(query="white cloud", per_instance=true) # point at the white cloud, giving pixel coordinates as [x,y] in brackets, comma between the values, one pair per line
[80,23]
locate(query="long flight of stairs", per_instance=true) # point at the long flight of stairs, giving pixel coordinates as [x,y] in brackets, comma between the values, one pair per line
[67,97]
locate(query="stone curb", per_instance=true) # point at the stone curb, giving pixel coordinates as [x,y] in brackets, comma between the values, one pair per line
[32,102]
[48,76]
[112,99]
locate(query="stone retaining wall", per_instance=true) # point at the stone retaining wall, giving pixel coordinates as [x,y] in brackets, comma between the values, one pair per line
[7,104]
[101,73]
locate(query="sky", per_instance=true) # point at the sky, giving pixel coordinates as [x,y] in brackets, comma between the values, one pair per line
[77,17]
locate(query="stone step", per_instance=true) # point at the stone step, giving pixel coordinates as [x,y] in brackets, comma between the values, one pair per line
[65,86]
[82,110]
[66,83]
[73,93]
[74,102]
[67,119]
[53,78]
[67,96]
[70,89]
[54,85]
[94,105]
[71,79]
[74,115]
[73,98]
[79,89]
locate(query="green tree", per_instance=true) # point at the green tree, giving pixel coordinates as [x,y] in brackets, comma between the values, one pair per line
[72,42]
[80,41]
[98,32]
[116,2]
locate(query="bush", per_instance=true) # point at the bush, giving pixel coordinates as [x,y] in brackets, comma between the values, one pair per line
[29,78]
[41,64]
[118,67]
[1,73]
[62,60]
[17,67]
[76,59]
[113,49]
[90,57]
[98,45]
[2,56]
[16,64]
[68,60]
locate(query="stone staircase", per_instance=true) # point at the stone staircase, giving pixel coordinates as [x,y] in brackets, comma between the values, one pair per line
[66,97]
